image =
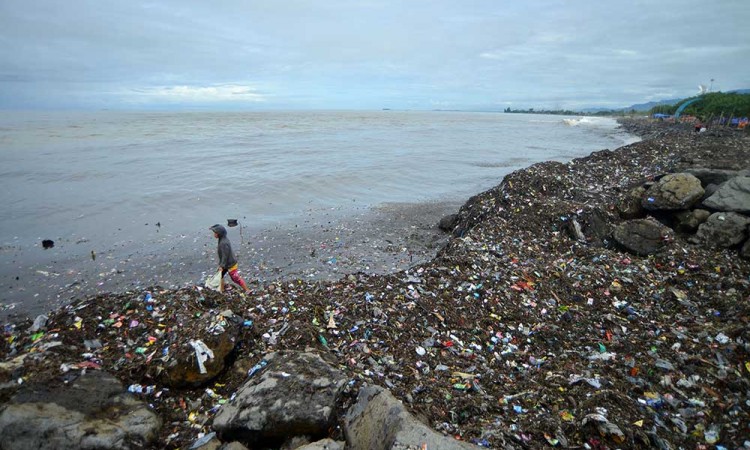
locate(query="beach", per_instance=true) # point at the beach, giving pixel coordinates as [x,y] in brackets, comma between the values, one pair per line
[127,197]
[527,326]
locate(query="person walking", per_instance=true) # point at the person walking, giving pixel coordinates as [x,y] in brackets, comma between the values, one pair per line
[227,260]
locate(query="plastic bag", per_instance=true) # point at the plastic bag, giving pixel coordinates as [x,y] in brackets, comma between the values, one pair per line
[214,281]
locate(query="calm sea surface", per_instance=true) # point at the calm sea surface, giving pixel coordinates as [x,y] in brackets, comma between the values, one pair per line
[107,178]
[59,171]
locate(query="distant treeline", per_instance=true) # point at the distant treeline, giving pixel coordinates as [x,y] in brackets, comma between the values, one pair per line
[567,112]
[714,104]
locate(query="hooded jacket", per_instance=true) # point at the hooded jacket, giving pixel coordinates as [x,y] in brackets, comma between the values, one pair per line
[226,255]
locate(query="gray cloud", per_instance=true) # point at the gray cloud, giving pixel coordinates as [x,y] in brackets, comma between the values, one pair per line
[338,53]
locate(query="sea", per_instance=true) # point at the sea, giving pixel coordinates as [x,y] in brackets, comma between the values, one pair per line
[129,186]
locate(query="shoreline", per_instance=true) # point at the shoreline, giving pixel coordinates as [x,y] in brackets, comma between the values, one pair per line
[552,329]
[319,244]
[324,246]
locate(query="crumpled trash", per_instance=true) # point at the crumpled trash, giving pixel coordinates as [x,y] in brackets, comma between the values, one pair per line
[202,353]
[605,427]
[92,344]
[203,441]
[253,370]
[39,323]
[594,382]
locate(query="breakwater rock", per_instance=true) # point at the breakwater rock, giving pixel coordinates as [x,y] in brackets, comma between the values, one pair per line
[534,327]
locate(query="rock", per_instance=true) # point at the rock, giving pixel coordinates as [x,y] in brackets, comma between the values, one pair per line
[448,222]
[598,227]
[91,412]
[709,191]
[713,176]
[642,236]
[184,370]
[295,442]
[672,192]
[380,422]
[734,195]
[689,221]
[629,207]
[724,229]
[233,446]
[325,444]
[296,394]
[745,250]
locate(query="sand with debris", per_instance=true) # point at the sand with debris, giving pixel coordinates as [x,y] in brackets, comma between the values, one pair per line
[514,331]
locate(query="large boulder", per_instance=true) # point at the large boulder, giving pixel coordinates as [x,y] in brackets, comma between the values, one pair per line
[629,206]
[200,359]
[377,421]
[92,412]
[598,227]
[723,230]
[734,195]
[709,190]
[673,192]
[642,236]
[296,394]
[689,221]
[713,176]
[448,223]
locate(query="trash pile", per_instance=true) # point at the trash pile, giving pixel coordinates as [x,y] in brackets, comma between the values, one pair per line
[531,323]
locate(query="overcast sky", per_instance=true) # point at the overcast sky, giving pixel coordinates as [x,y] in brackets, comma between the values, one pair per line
[352,54]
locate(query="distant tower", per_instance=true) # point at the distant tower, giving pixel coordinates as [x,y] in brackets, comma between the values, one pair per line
[712,85]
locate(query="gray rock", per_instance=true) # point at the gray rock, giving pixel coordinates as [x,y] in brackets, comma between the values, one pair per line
[295,442]
[598,227]
[629,207]
[673,192]
[296,394]
[689,221]
[448,223]
[745,250]
[724,229]
[734,195]
[712,176]
[642,236]
[325,444]
[233,446]
[380,422]
[709,191]
[91,412]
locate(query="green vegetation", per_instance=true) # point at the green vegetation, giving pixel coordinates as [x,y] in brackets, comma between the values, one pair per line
[567,112]
[542,111]
[715,104]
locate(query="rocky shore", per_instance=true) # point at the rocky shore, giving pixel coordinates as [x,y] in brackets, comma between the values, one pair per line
[602,303]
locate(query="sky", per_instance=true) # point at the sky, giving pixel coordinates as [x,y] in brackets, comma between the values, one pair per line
[367,54]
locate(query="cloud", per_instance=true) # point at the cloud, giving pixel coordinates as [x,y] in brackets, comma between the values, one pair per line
[197,94]
[366,54]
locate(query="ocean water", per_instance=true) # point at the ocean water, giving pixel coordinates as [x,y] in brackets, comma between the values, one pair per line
[115,181]
[59,170]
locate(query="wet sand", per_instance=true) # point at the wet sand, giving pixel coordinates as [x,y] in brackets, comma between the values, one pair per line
[324,246]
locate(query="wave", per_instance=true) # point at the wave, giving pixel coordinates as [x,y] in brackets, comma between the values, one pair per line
[590,121]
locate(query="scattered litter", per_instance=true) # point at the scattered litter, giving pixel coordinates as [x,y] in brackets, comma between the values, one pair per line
[514,332]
